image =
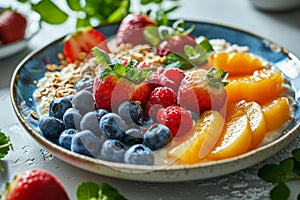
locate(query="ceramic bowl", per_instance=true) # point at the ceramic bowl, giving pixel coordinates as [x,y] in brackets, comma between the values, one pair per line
[32,68]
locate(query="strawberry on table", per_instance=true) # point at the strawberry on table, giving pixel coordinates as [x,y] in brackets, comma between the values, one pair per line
[35,185]
[12,26]
[131,29]
[202,90]
[79,44]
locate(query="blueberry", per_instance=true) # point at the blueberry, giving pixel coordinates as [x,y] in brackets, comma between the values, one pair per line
[112,126]
[139,154]
[157,136]
[86,83]
[58,107]
[130,111]
[90,122]
[86,143]
[65,138]
[72,118]
[133,136]
[100,113]
[51,128]
[84,102]
[112,150]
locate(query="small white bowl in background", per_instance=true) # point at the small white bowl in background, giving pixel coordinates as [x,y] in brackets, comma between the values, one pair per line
[33,26]
[276,5]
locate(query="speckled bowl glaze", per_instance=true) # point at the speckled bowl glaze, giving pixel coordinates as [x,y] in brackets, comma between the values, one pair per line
[33,67]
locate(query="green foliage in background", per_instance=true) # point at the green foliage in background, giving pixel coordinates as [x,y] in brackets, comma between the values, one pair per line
[95,12]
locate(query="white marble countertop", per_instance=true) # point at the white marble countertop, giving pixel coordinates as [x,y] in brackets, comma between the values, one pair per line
[282,28]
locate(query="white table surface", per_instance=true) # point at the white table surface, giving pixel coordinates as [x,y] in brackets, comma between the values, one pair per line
[282,28]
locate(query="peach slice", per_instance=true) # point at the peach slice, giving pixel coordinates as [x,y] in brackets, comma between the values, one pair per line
[207,132]
[276,113]
[237,63]
[235,139]
[256,120]
[262,86]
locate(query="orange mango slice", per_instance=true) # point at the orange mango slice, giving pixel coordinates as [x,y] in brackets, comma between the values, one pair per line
[262,86]
[255,117]
[207,132]
[235,139]
[237,63]
[276,113]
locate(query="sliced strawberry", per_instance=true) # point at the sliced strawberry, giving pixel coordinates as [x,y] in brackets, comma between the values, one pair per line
[35,185]
[12,26]
[78,45]
[201,90]
[131,29]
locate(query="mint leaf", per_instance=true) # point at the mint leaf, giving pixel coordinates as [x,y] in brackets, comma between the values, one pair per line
[296,154]
[101,57]
[5,146]
[272,173]
[151,35]
[93,191]
[74,5]
[287,165]
[177,61]
[118,14]
[280,192]
[216,78]
[108,192]
[87,191]
[49,12]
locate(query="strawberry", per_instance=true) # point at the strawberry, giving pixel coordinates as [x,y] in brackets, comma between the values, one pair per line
[79,44]
[118,82]
[12,26]
[172,78]
[131,29]
[177,119]
[202,90]
[35,185]
[175,44]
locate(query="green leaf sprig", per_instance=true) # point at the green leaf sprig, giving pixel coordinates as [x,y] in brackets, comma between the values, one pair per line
[89,13]
[94,191]
[127,69]
[5,146]
[279,174]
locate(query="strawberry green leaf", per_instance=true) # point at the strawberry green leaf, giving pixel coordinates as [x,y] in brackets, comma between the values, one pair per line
[272,173]
[87,191]
[108,192]
[120,70]
[101,57]
[50,12]
[216,78]
[280,192]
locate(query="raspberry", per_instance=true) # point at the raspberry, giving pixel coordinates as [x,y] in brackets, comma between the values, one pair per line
[161,97]
[177,119]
